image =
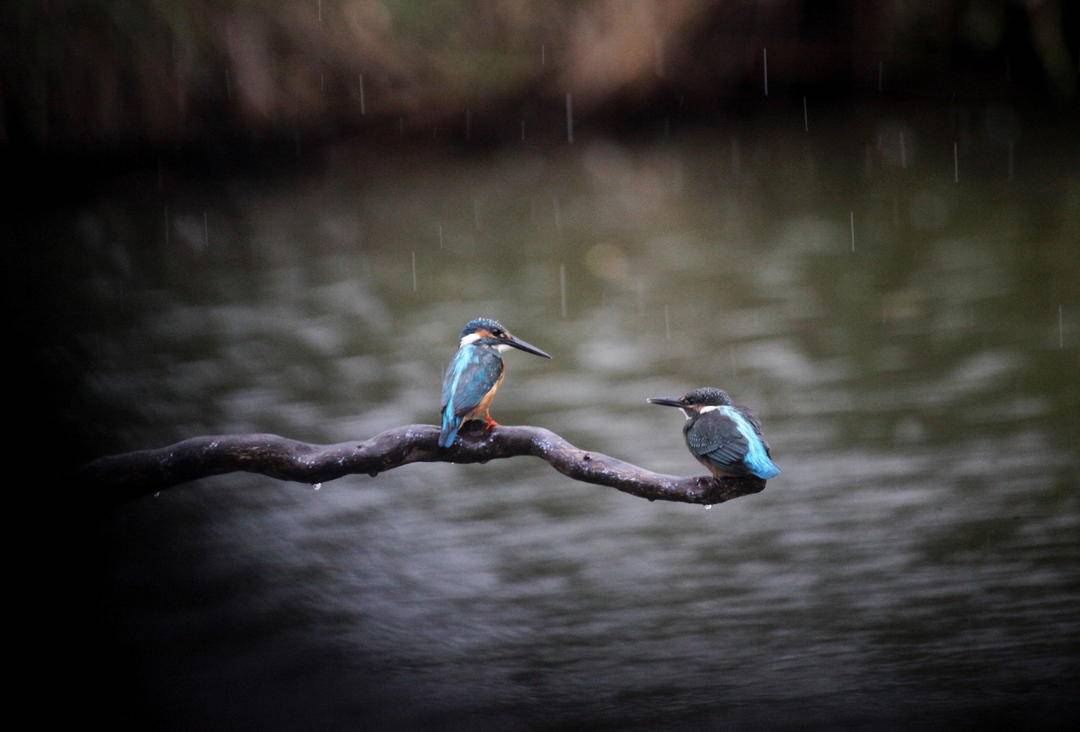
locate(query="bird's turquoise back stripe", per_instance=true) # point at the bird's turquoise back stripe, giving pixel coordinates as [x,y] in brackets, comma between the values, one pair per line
[460,362]
[756,458]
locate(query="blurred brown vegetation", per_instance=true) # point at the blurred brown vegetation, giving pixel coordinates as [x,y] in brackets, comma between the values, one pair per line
[83,73]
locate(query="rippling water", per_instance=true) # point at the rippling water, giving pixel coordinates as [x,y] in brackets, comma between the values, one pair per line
[918,560]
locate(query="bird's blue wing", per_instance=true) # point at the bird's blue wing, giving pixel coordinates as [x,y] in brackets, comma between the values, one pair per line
[758,456]
[755,423]
[471,375]
[717,437]
[469,378]
[450,377]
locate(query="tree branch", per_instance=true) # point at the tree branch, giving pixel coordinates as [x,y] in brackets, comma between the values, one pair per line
[130,475]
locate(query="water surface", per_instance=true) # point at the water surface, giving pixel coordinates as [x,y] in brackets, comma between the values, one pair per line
[917,560]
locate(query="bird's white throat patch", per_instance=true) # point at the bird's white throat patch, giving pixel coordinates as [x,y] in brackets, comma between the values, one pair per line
[704,410]
[474,337]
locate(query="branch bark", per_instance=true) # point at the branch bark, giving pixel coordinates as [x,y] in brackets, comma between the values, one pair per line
[134,474]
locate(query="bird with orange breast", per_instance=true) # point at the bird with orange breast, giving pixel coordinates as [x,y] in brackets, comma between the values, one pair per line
[475,374]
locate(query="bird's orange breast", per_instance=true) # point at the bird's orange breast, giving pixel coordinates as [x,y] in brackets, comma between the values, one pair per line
[485,403]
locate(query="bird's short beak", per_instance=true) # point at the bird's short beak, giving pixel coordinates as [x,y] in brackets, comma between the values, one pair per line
[523,346]
[665,401]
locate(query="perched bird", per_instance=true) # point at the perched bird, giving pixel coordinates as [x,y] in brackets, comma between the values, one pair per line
[723,436]
[475,374]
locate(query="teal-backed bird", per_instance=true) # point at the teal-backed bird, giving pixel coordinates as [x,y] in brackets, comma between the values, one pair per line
[723,436]
[475,374]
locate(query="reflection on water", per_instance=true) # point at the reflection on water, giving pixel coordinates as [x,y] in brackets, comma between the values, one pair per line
[898,333]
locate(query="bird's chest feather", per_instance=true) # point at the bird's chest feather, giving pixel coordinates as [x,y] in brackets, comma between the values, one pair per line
[485,403]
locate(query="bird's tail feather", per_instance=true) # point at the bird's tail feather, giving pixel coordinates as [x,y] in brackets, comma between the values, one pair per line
[766,469]
[450,427]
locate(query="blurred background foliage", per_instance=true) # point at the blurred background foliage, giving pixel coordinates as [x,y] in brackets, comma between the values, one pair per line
[84,74]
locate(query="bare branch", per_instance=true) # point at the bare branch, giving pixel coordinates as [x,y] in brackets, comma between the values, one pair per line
[138,473]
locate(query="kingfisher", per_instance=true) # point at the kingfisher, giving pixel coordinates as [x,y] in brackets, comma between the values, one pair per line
[475,374]
[723,436]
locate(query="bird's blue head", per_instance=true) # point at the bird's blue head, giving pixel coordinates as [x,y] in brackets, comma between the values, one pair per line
[477,325]
[490,332]
[696,400]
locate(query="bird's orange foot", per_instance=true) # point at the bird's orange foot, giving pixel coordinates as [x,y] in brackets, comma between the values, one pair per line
[489,423]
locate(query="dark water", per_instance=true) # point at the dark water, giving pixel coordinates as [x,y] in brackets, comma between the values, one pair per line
[917,561]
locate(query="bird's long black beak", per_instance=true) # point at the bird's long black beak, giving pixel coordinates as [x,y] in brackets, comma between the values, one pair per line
[665,401]
[523,346]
